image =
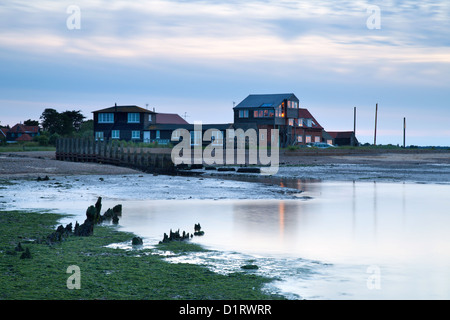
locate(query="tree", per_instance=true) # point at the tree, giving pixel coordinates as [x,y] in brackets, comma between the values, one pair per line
[32,123]
[50,120]
[63,124]
[76,118]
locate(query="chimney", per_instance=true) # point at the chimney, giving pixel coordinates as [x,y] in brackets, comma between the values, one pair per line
[153,109]
[115,105]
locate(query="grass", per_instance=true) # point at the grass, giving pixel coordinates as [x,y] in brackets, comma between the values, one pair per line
[29,146]
[106,273]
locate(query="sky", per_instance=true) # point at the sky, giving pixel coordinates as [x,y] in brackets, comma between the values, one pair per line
[197,58]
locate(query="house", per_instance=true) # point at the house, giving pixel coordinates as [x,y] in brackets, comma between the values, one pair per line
[308,129]
[278,111]
[133,123]
[128,123]
[20,133]
[343,138]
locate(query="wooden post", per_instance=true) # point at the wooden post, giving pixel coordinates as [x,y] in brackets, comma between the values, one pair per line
[404,132]
[376,120]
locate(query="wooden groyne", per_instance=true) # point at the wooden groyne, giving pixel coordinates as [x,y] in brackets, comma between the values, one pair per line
[152,160]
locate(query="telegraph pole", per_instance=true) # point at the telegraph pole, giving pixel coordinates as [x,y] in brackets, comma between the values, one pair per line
[404,132]
[376,118]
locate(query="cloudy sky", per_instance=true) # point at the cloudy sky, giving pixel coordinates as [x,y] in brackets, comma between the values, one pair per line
[198,57]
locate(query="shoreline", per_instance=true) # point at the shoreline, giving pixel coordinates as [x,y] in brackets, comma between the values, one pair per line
[427,166]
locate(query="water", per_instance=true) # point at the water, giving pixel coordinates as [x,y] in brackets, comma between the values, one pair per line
[335,240]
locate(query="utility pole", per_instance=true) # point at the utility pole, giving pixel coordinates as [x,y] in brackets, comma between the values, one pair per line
[404,132]
[376,118]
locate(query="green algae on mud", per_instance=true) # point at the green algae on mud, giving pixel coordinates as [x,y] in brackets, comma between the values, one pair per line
[106,273]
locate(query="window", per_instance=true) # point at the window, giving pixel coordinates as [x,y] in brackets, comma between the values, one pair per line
[115,134]
[158,134]
[150,118]
[300,139]
[300,122]
[308,139]
[309,123]
[134,118]
[99,136]
[243,113]
[291,122]
[255,114]
[106,118]
[317,139]
[217,138]
[196,138]
[271,113]
[289,104]
[135,134]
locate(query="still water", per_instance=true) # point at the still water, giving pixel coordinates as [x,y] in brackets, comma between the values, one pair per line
[349,241]
[338,240]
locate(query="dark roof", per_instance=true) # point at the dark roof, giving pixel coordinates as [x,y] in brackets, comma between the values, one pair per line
[134,109]
[341,134]
[305,114]
[264,100]
[169,118]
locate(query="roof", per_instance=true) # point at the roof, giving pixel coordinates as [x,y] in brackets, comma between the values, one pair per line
[24,137]
[305,114]
[134,109]
[4,131]
[264,100]
[169,118]
[341,134]
[20,128]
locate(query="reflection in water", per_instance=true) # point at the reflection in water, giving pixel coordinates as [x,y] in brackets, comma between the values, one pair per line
[320,247]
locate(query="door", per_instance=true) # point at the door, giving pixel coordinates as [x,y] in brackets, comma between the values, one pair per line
[147,136]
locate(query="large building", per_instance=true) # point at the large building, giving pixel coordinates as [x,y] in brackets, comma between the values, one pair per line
[278,111]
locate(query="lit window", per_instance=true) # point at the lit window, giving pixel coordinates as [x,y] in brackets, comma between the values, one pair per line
[133,118]
[255,114]
[308,139]
[300,139]
[135,134]
[291,122]
[317,139]
[271,113]
[115,134]
[106,118]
